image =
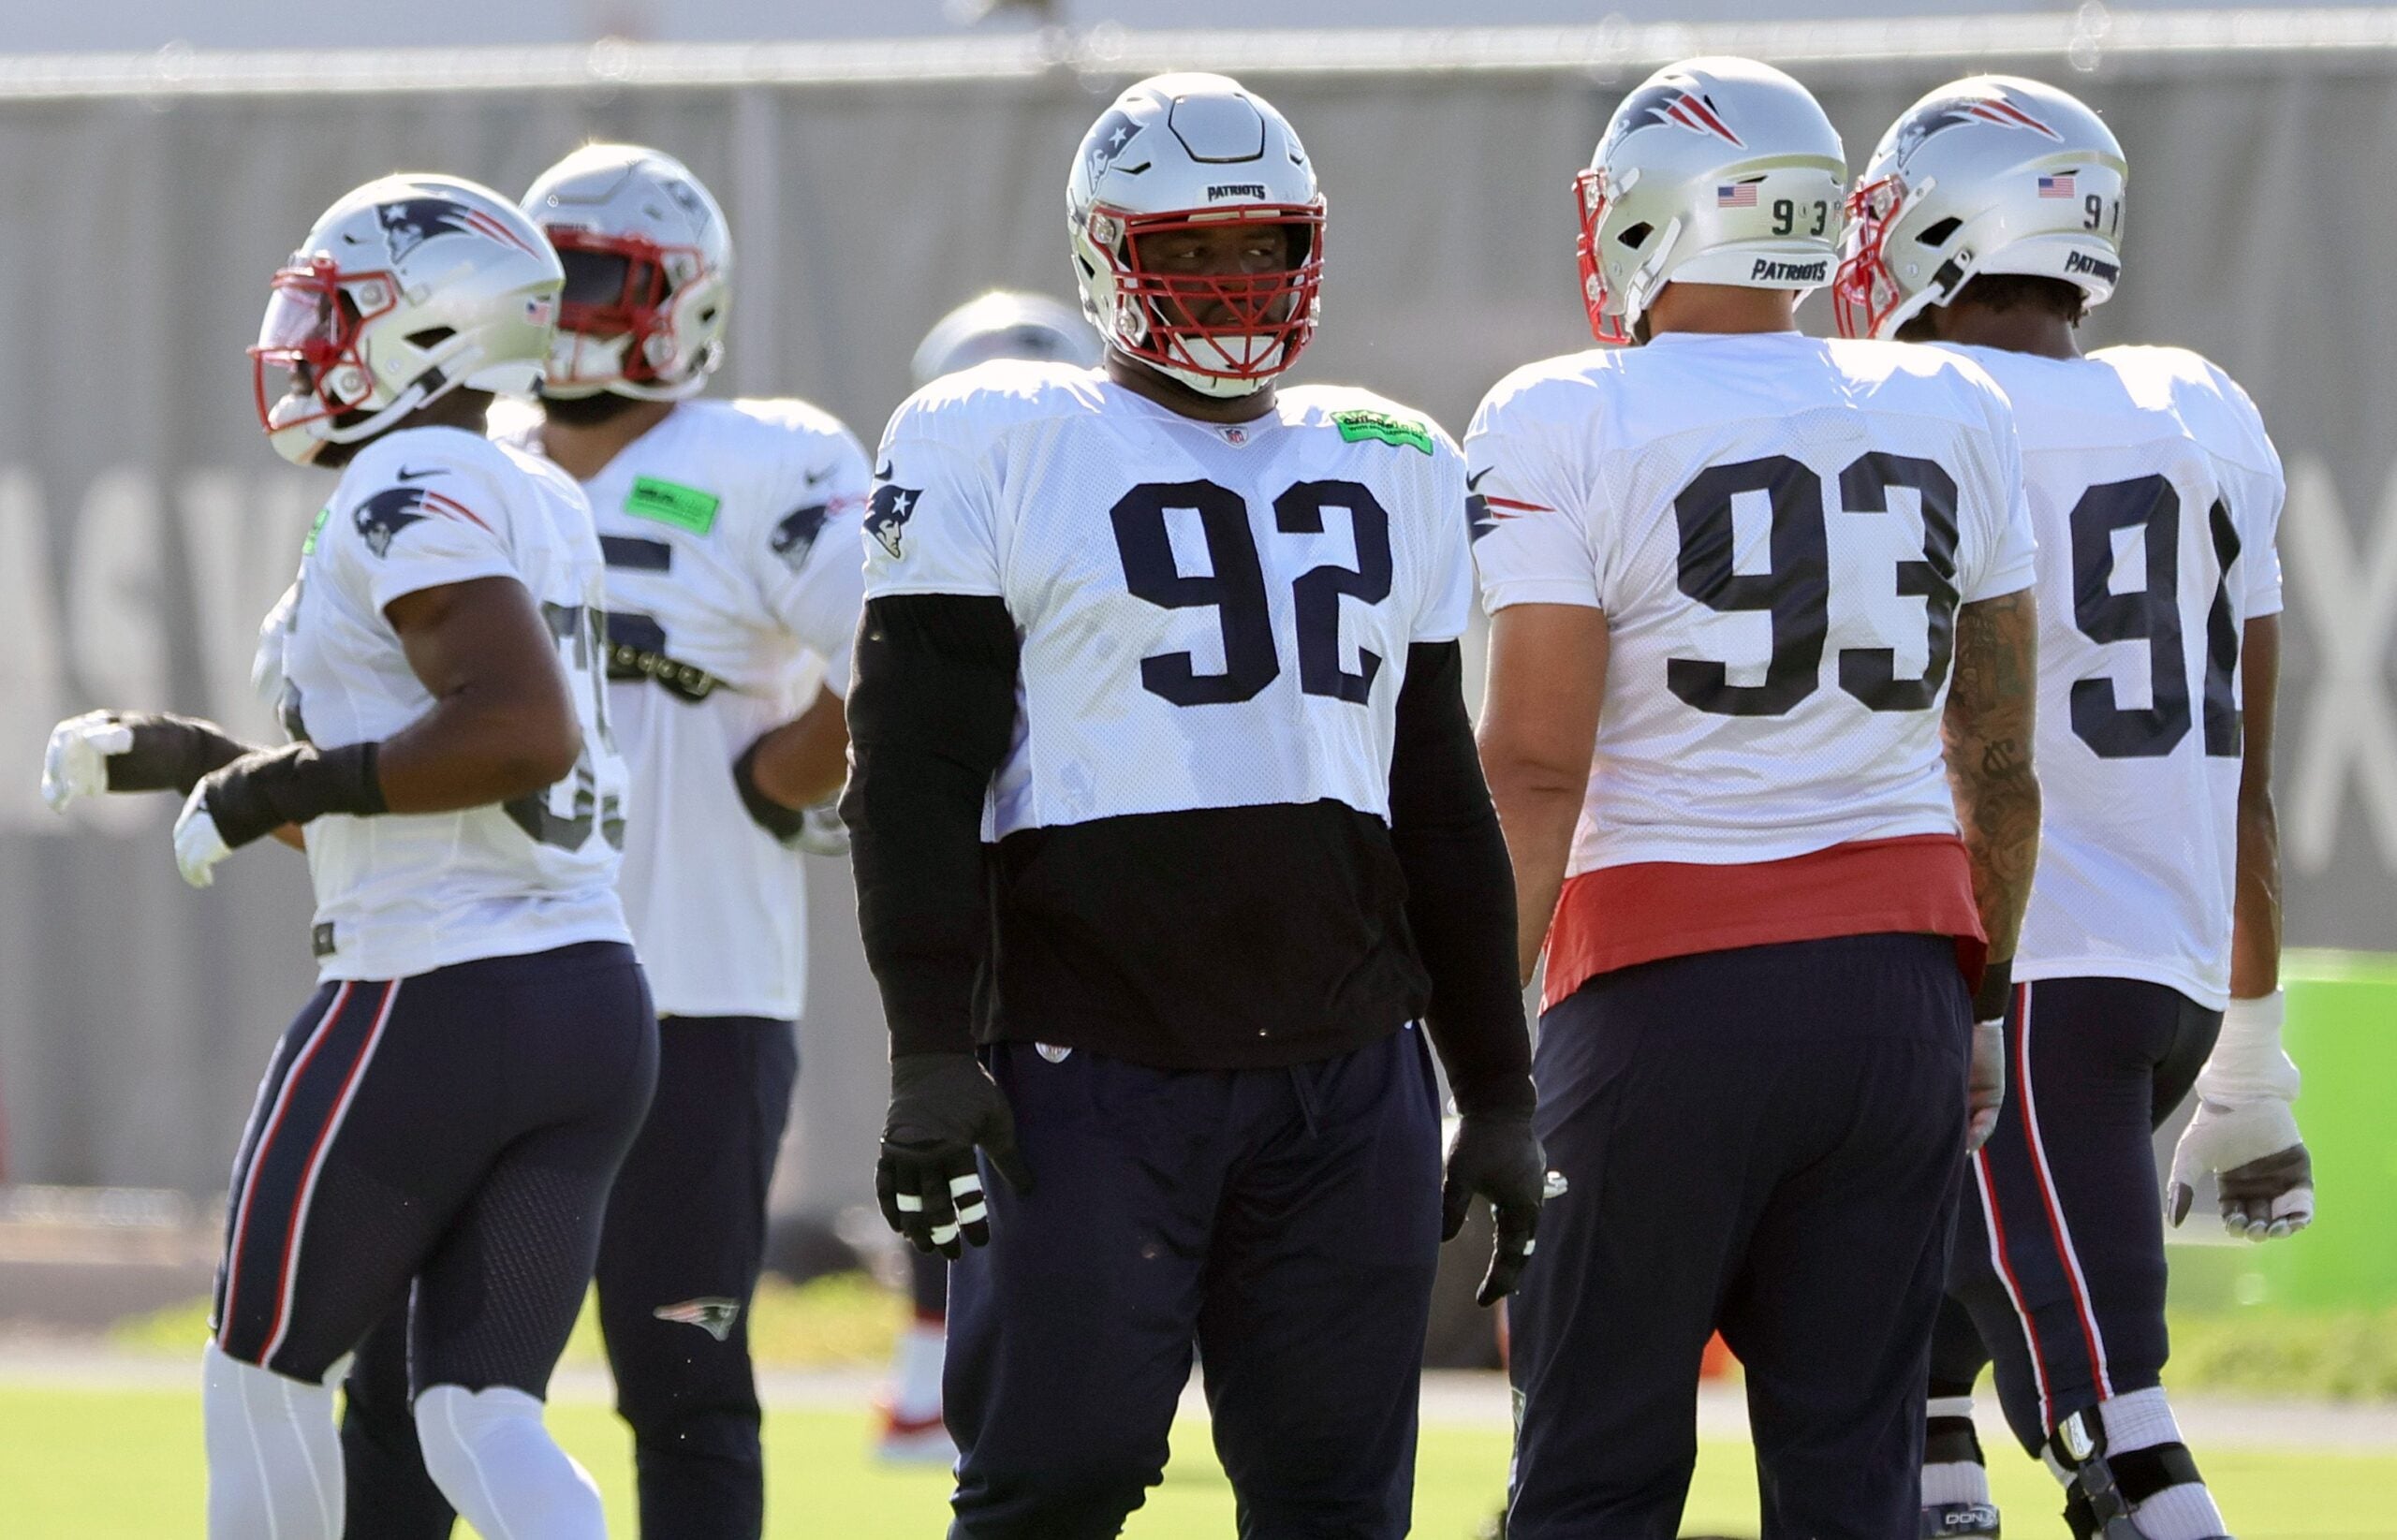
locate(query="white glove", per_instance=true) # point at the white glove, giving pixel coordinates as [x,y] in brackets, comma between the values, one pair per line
[2244,1131]
[823,833]
[77,762]
[197,845]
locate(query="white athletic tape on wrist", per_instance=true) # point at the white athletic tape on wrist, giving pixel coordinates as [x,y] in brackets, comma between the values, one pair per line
[2247,1064]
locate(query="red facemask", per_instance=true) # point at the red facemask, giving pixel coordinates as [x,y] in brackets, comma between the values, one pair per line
[1262,321]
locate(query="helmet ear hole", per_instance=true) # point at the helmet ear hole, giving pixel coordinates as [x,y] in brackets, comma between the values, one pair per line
[430,338]
[1941,233]
[1637,236]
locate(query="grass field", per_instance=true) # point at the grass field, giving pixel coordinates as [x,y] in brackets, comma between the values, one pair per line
[125,1465]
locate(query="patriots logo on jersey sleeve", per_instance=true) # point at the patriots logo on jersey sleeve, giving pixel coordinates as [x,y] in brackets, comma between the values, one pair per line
[887,512]
[380,518]
[795,534]
[1483,510]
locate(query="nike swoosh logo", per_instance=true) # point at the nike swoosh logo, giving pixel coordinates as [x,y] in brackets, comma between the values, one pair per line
[416,475]
[1473,482]
[882,472]
[813,476]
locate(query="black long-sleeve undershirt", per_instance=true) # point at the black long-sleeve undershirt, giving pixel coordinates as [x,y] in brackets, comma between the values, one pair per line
[1210,938]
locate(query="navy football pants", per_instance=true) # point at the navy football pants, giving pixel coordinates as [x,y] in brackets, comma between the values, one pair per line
[2059,1260]
[677,1264]
[461,1128]
[1287,1220]
[1766,1143]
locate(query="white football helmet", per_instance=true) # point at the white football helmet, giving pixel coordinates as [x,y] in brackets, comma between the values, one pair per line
[407,289]
[1177,151]
[1005,325]
[1712,171]
[1991,174]
[647,273]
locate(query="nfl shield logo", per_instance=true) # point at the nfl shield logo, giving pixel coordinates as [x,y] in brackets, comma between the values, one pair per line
[1235,436]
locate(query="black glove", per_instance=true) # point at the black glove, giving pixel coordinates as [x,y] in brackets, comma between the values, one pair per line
[942,1106]
[266,788]
[169,752]
[786,823]
[1497,1156]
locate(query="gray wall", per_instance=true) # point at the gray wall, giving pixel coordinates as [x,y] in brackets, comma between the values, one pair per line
[144,526]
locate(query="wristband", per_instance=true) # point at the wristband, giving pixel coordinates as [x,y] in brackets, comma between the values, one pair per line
[1996,991]
[2247,1064]
[298,783]
[169,752]
[784,823]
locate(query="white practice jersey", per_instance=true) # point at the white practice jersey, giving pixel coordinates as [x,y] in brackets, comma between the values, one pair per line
[1779,530]
[2157,497]
[1204,608]
[404,893]
[734,589]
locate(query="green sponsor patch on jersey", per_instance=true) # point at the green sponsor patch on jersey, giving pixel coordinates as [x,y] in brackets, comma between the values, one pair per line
[685,507]
[308,547]
[1361,424]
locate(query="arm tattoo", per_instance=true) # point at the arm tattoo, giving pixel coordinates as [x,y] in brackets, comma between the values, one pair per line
[1988,730]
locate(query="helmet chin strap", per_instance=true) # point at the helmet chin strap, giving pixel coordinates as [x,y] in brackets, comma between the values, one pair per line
[1207,353]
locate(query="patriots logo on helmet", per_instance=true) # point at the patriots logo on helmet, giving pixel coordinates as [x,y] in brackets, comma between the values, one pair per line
[888,511]
[713,1316]
[687,197]
[1678,106]
[1106,141]
[795,535]
[410,222]
[1997,108]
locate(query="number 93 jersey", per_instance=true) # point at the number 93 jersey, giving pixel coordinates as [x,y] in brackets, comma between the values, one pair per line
[1212,615]
[2157,494]
[1780,530]
[406,893]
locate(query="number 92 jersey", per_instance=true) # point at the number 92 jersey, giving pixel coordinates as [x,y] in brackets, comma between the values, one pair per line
[406,893]
[1212,615]
[1779,530]
[2157,494]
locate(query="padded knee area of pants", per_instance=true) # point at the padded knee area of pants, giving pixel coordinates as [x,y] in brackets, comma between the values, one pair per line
[488,1453]
[273,1457]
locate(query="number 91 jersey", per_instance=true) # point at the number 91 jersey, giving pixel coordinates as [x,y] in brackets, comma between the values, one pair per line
[2157,494]
[1212,615]
[1780,530]
[406,893]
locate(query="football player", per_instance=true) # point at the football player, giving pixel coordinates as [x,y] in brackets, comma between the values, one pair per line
[998,325]
[1766,576]
[730,534]
[1991,220]
[1183,649]
[451,1106]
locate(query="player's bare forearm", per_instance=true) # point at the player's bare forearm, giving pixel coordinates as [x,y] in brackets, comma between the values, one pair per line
[1539,719]
[2256,907]
[805,760]
[502,723]
[1988,732]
